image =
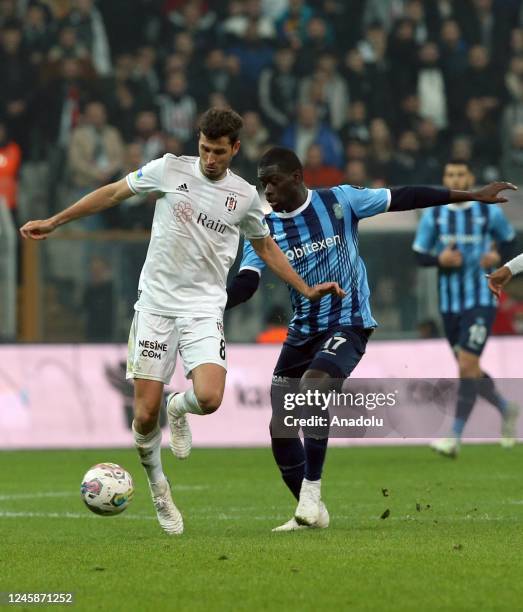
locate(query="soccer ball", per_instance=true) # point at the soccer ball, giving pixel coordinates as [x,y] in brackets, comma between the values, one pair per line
[107,489]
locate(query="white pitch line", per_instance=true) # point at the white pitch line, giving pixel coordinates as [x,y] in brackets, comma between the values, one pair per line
[50,494]
[225,517]
[37,494]
[71,515]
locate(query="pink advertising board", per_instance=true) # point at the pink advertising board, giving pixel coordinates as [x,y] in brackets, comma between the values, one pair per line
[76,396]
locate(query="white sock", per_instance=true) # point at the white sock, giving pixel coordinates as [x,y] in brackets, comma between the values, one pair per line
[149,447]
[186,402]
[313,483]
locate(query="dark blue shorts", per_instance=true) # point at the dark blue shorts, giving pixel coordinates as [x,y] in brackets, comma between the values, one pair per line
[469,330]
[336,352]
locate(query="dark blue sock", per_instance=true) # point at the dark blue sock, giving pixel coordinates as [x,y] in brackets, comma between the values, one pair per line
[315,451]
[467,394]
[290,458]
[487,389]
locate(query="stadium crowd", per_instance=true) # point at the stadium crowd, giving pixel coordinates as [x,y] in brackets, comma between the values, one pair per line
[366,91]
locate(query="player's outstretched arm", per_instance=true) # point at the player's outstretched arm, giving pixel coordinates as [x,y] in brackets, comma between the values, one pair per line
[498,279]
[419,196]
[94,202]
[275,259]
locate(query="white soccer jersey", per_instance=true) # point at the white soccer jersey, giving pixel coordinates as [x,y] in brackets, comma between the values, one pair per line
[194,236]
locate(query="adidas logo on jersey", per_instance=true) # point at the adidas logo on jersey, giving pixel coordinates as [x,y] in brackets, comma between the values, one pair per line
[183,188]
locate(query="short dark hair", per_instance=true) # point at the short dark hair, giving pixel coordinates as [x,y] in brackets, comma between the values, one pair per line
[458,162]
[286,160]
[218,122]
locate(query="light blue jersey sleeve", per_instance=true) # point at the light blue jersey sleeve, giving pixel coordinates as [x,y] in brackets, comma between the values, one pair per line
[366,202]
[251,260]
[500,227]
[426,235]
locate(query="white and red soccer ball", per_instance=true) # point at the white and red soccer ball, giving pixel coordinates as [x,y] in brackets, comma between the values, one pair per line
[107,489]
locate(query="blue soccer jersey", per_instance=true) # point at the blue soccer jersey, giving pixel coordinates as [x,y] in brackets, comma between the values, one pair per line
[472,227]
[320,240]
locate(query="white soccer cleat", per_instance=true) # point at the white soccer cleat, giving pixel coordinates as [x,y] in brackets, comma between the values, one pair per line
[308,510]
[448,447]
[508,426]
[181,438]
[169,516]
[293,525]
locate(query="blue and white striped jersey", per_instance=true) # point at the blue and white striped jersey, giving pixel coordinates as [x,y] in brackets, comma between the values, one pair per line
[320,240]
[472,227]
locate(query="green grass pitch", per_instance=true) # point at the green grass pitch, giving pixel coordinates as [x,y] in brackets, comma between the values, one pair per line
[453,539]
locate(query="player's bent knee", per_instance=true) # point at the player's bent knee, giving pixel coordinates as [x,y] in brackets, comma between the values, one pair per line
[146,413]
[209,402]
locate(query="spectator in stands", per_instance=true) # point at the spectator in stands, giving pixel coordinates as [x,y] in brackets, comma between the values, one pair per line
[148,136]
[254,53]
[87,20]
[480,127]
[177,108]
[309,130]
[254,140]
[10,159]
[145,68]
[356,174]
[274,8]
[358,76]
[373,47]
[482,25]
[453,50]
[218,74]
[406,167]
[37,33]
[316,94]
[384,12]
[432,147]
[512,163]
[408,116]
[380,148]
[185,47]
[194,18]
[9,12]
[292,25]
[402,53]
[68,46]
[356,126]
[316,174]
[481,80]
[318,41]
[431,86]
[278,90]
[334,89]
[96,154]
[248,11]
[16,82]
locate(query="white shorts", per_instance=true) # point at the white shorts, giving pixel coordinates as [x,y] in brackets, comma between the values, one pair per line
[154,341]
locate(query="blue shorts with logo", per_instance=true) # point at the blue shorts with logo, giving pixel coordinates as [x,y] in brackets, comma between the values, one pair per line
[469,330]
[336,351]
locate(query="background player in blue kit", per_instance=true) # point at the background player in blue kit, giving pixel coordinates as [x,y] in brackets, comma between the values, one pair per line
[318,231]
[459,238]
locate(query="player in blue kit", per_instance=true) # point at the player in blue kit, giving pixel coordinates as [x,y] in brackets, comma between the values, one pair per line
[458,239]
[318,231]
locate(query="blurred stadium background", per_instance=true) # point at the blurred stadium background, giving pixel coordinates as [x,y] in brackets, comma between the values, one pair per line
[369,92]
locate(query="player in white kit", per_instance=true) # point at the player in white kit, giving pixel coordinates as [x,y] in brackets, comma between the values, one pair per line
[182,289]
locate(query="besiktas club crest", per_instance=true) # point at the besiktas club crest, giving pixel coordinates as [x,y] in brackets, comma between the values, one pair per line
[231,202]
